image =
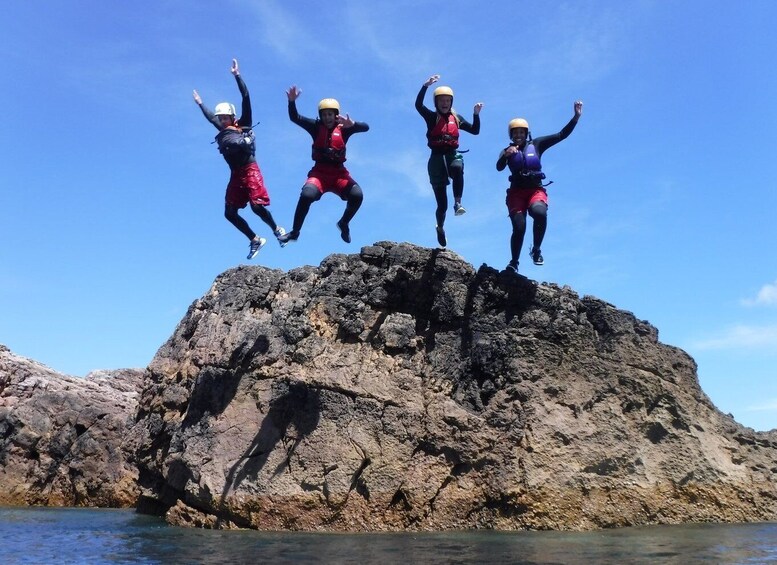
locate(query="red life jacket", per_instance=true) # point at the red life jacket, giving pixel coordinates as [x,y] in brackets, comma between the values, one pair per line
[445,132]
[329,145]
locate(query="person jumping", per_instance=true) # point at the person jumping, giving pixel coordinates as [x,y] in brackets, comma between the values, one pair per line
[527,193]
[442,134]
[237,144]
[330,133]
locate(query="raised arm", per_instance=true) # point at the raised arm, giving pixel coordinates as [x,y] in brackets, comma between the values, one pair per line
[246,116]
[307,124]
[548,141]
[206,112]
[425,112]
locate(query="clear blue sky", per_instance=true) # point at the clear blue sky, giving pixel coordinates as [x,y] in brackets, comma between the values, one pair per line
[663,202]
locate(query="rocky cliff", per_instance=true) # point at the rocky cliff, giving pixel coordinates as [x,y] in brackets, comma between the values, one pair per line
[401,389]
[62,438]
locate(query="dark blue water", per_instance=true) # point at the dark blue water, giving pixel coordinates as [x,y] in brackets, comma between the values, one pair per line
[43,535]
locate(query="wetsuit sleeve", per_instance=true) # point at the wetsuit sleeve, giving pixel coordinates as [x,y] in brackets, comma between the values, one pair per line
[501,162]
[308,124]
[357,127]
[427,114]
[473,128]
[209,116]
[548,141]
[246,118]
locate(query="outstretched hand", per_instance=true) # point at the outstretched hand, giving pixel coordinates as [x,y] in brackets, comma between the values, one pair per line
[293,93]
[431,80]
[578,108]
[197,98]
[478,107]
[345,121]
[234,70]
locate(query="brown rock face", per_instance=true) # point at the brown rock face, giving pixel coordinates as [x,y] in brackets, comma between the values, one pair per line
[61,438]
[401,389]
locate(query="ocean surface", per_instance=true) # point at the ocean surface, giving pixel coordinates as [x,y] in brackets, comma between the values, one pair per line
[48,535]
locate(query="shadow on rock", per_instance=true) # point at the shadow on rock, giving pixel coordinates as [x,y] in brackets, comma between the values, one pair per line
[294,412]
[216,387]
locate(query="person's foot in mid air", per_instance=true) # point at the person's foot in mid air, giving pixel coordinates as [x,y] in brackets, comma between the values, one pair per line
[536,256]
[279,233]
[287,237]
[254,247]
[441,237]
[345,231]
[458,209]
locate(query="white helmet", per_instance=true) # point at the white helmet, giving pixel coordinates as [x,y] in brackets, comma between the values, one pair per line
[224,109]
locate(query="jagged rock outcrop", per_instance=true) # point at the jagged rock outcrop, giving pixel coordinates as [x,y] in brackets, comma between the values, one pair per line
[62,438]
[401,389]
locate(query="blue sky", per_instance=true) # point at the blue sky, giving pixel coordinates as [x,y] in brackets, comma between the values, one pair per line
[663,202]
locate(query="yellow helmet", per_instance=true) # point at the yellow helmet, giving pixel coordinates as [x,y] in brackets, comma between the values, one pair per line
[443,91]
[329,104]
[517,123]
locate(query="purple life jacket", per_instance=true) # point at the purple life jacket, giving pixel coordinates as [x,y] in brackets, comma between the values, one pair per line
[525,161]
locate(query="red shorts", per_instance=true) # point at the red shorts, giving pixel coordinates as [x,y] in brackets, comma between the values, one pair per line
[331,178]
[246,184]
[518,200]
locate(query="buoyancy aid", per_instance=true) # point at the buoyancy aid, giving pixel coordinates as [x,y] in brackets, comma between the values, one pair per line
[445,132]
[237,145]
[526,167]
[329,145]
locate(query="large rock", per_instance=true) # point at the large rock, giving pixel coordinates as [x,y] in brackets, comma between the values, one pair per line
[61,437]
[401,389]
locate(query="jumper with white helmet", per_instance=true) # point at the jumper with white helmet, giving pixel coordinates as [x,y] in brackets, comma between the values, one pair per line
[237,144]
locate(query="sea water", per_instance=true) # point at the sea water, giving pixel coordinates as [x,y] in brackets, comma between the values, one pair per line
[54,536]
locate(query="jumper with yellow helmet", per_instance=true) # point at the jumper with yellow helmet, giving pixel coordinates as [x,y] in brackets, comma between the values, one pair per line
[525,164]
[329,144]
[526,194]
[443,126]
[329,174]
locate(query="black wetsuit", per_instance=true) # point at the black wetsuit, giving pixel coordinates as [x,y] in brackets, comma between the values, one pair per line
[353,194]
[237,153]
[444,161]
[538,210]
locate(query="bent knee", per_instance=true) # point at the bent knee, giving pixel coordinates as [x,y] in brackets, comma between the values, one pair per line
[538,210]
[310,192]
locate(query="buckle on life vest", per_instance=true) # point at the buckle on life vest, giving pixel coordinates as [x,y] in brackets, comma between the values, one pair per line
[445,139]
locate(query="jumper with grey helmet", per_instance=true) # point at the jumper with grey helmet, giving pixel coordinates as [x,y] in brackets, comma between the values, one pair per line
[442,133]
[527,194]
[237,144]
[330,133]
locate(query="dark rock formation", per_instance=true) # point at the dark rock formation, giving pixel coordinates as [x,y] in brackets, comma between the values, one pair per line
[401,389]
[61,437]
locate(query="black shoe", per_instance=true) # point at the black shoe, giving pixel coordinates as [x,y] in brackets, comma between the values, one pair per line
[536,256]
[441,237]
[512,267]
[345,231]
[287,237]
